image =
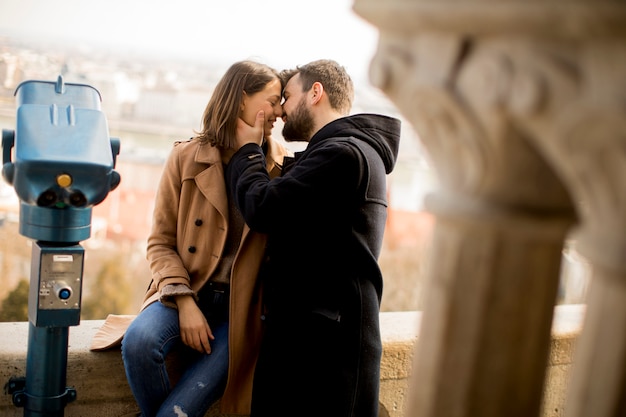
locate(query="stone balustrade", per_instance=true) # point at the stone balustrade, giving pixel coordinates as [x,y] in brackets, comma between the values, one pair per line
[102,391]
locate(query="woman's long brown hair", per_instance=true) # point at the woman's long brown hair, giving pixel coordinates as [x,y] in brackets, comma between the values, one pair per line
[219,121]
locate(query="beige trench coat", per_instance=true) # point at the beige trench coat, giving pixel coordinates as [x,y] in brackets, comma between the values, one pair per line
[192,188]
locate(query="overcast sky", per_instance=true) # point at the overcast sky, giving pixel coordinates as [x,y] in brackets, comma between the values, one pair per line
[281,33]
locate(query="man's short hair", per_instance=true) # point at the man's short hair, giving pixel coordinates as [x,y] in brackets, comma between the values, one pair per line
[334,77]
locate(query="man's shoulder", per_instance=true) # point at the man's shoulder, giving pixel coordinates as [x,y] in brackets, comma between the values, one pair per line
[353,146]
[339,143]
[342,151]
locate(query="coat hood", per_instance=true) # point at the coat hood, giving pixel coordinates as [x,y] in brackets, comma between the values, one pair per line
[379,131]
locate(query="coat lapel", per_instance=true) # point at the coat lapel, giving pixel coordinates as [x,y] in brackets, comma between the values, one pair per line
[210,181]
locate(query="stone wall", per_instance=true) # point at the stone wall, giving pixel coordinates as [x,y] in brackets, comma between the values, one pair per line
[102,390]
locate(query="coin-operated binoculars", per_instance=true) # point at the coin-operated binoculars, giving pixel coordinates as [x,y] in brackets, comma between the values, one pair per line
[61,161]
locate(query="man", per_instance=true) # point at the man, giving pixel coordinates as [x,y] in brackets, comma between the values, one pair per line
[325,218]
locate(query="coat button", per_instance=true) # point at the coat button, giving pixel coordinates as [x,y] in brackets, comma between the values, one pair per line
[198,222]
[192,249]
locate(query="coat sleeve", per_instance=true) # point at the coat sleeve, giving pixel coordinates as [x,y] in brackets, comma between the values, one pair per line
[323,180]
[165,263]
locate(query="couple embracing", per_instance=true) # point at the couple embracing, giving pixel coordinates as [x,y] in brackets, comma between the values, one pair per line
[265,263]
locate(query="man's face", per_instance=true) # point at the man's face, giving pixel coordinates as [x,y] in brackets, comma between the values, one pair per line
[297,115]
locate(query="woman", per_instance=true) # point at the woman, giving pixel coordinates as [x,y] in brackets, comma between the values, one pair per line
[205,262]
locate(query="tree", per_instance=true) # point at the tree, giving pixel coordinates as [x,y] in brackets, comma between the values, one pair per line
[15,305]
[110,293]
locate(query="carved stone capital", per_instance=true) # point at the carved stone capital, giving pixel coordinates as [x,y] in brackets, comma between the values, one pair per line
[520,103]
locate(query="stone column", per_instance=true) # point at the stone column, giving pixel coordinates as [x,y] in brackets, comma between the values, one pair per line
[586,141]
[517,103]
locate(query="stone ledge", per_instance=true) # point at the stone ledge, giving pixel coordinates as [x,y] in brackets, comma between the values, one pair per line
[102,391]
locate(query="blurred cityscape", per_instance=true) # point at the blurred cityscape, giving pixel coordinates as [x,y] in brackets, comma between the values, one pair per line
[150,103]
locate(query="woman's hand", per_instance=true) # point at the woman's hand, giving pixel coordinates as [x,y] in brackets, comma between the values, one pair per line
[250,134]
[194,329]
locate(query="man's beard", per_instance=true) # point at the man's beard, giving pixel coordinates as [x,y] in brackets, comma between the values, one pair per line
[299,125]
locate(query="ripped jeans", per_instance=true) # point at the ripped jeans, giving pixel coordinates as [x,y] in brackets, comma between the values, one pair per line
[146,343]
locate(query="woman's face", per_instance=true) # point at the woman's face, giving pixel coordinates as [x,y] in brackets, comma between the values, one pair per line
[268,100]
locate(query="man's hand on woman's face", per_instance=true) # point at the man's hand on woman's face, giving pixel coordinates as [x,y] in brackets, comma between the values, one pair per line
[251,134]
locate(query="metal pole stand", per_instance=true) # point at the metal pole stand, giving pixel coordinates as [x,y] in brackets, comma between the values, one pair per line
[54,305]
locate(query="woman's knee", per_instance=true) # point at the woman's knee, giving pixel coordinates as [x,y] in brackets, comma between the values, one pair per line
[151,331]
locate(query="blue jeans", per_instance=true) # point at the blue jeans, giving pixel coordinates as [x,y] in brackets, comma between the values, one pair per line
[146,343]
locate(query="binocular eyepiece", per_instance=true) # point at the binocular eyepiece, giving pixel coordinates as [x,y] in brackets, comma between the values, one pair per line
[52,198]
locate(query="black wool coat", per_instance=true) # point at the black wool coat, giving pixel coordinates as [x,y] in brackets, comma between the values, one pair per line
[325,218]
